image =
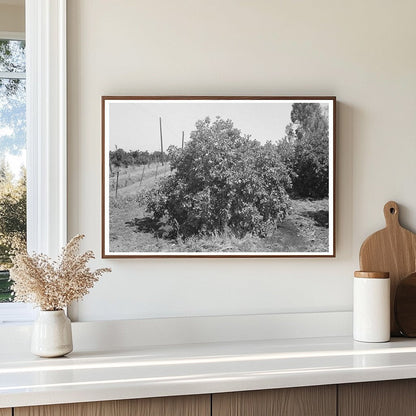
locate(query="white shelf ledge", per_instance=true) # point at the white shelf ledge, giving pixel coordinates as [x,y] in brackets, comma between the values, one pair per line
[151,371]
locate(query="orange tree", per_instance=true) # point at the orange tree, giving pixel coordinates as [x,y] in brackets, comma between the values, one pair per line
[222,180]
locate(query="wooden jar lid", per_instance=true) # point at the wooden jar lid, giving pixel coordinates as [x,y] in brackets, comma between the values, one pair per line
[372,275]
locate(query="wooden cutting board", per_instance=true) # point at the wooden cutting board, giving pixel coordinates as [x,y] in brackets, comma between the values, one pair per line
[393,250]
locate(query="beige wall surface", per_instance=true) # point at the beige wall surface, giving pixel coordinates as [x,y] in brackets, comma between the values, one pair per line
[12,18]
[363,52]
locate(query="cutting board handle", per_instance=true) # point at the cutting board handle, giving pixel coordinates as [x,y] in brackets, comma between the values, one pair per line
[391,214]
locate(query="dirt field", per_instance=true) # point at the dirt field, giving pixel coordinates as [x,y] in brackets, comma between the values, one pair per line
[304,230]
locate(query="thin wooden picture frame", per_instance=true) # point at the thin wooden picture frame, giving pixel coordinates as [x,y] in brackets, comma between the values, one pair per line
[153,145]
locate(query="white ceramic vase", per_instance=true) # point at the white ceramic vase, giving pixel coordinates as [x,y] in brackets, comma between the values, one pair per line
[52,334]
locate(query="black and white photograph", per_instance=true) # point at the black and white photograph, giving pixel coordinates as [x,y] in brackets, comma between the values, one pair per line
[218,176]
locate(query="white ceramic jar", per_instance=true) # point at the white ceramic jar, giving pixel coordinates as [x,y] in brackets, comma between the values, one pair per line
[52,334]
[371,309]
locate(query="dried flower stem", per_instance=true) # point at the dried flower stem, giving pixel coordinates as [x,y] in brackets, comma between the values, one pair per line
[53,285]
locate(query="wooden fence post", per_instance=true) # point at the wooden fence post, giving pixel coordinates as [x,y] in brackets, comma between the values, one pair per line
[141,179]
[117,183]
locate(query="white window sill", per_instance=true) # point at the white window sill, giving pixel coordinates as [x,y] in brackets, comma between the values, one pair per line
[16,313]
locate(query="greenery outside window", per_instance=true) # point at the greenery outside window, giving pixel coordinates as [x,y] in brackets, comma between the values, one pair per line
[12,154]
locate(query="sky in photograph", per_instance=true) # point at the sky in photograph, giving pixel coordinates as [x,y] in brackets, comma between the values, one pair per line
[135,125]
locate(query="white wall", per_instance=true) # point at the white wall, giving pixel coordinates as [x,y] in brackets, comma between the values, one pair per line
[361,51]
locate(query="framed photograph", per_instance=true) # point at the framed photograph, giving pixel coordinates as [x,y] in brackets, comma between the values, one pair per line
[218,176]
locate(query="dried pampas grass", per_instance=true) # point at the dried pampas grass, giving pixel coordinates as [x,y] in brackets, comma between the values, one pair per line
[53,285]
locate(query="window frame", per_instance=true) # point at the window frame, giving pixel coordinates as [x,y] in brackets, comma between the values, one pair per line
[46,138]
[46,125]
[14,312]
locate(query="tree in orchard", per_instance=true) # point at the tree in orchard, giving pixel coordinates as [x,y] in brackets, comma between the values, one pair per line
[222,180]
[305,149]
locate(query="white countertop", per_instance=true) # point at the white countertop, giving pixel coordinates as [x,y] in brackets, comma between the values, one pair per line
[148,371]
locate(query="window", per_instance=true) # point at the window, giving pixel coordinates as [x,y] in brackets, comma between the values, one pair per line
[12,165]
[46,133]
[45,91]
[12,155]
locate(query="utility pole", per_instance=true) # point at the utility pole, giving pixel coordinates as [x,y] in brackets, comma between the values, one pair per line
[183,138]
[161,139]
